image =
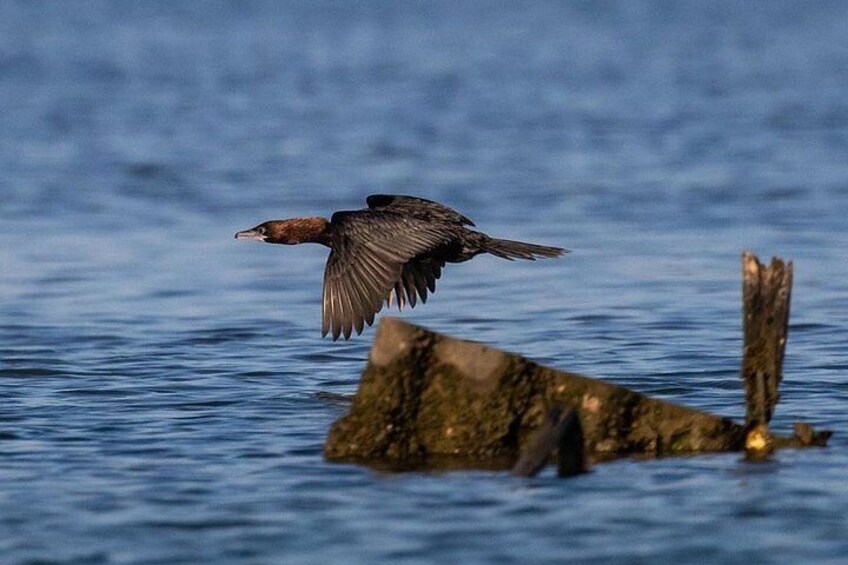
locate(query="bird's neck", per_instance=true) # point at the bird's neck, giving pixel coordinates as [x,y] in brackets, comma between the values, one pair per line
[300,230]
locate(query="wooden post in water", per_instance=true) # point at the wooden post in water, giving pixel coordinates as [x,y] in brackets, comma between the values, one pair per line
[766,294]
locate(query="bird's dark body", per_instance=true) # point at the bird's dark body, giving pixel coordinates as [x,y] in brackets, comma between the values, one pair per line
[395,248]
[459,243]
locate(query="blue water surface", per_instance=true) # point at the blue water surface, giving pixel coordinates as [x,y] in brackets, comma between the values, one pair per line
[158,378]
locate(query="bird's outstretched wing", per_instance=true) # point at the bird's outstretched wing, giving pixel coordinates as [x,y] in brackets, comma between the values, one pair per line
[369,258]
[415,207]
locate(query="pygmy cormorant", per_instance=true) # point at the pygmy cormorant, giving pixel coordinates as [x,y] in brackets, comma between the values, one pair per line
[395,247]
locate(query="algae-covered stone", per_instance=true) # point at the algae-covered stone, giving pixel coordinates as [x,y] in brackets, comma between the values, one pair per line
[425,396]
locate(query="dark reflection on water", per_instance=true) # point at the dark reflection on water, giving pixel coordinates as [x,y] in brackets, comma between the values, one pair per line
[160,381]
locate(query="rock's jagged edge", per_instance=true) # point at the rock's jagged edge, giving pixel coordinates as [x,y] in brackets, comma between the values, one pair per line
[430,401]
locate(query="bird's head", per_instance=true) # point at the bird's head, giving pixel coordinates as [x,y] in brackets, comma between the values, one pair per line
[259,233]
[288,232]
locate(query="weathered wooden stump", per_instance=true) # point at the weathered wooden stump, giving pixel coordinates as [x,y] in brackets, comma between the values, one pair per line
[766,293]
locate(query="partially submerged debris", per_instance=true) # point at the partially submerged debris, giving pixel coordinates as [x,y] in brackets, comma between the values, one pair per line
[766,294]
[429,401]
[805,436]
[424,394]
[561,434]
[765,318]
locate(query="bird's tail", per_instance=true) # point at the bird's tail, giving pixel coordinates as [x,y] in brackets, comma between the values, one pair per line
[509,249]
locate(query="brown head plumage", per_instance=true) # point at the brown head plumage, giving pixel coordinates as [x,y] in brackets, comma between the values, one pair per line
[289,232]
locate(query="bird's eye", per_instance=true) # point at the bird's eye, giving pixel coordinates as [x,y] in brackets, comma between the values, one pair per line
[261,231]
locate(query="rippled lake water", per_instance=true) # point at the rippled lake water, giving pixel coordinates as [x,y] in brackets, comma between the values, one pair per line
[158,378]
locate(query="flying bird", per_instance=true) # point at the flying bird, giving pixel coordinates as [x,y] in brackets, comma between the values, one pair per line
[394,248]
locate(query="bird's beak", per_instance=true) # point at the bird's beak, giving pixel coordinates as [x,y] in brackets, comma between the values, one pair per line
[250,234]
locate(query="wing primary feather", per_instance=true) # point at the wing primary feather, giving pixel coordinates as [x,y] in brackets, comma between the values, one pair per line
[397,290]
[362,300]
[431,283]
[347,308]
[362,305]
[421,285]
[409,284]
[325,317]
[326,302]
[337,312]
